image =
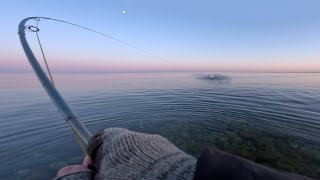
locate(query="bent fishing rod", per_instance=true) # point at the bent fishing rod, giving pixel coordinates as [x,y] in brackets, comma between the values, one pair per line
[81,133]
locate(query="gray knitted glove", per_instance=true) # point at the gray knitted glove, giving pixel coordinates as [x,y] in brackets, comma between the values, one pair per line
[122,154]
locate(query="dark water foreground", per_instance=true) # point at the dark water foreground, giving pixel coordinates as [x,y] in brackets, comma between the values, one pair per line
[277,151]
[272,119]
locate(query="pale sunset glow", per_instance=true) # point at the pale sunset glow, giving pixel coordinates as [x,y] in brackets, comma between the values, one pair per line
[182,36]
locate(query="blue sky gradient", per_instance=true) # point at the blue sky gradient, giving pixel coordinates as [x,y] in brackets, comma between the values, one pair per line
[241,36]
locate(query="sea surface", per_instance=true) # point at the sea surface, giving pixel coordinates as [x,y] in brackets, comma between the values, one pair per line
[269,118]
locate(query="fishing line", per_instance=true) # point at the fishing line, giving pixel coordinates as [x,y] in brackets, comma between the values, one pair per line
[80,130]
[36,30]
[77,136]
[44,57]
[94,31]
[105,35]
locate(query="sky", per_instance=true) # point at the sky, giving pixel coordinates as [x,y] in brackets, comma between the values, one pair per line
[180,35]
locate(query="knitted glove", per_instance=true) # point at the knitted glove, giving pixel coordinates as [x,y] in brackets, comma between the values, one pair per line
[122,154]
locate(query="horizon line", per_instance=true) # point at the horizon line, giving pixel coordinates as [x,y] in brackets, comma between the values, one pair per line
[169,71]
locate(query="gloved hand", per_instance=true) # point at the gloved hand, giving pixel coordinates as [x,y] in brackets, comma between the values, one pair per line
[122,154]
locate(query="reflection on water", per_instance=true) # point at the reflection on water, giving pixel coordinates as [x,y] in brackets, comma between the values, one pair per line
[272,119]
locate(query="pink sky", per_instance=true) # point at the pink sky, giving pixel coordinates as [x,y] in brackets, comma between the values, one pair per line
[309,64]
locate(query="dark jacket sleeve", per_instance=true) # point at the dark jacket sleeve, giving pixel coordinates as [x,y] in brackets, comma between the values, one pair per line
[218,165]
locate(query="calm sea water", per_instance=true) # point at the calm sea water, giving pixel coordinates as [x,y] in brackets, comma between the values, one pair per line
[273,119]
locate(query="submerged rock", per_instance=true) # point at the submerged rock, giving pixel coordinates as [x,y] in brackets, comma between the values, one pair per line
[261,146]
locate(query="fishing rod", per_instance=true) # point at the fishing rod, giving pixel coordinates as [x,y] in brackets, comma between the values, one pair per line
[81,132]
